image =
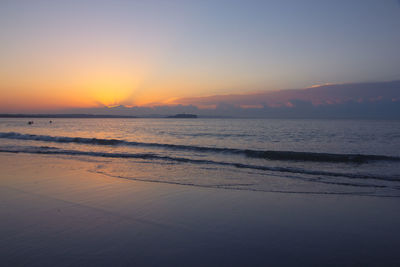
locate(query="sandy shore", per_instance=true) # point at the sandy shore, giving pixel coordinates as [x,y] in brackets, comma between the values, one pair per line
[54,212]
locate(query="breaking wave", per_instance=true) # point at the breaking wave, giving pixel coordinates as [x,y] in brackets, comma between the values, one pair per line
[261,154]
[153,156]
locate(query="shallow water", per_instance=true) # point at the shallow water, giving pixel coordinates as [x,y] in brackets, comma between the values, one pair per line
[360,157]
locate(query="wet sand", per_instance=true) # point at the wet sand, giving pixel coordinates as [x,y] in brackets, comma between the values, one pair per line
[55,212]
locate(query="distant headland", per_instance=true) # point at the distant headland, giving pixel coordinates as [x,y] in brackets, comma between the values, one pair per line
[63,116]
[95,116]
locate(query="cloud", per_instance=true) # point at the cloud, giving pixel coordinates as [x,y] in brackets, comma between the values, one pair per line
[326,94]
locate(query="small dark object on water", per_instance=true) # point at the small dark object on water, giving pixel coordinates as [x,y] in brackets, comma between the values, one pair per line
[30,122]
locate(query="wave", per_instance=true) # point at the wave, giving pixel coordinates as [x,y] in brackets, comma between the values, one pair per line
[152,156]
[239,188]
[262,154]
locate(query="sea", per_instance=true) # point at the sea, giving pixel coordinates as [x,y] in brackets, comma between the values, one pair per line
[301,156]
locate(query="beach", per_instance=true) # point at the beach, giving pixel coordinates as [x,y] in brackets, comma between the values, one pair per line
[56,211]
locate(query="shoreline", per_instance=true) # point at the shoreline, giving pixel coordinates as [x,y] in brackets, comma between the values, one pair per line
[57,212]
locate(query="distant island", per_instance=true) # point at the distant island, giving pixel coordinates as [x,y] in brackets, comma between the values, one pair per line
[183,116]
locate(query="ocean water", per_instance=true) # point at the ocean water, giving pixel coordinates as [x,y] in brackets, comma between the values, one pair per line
[352,157]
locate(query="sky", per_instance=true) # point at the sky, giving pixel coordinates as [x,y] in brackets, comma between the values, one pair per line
[77,54]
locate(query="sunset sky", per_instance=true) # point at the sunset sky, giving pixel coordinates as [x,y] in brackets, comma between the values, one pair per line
[62,54]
